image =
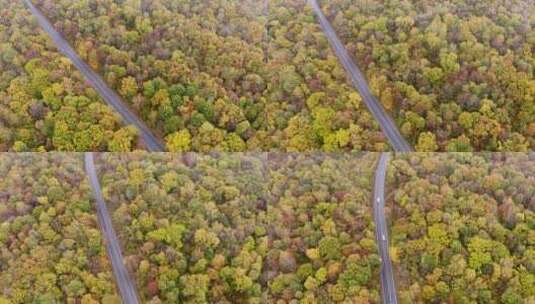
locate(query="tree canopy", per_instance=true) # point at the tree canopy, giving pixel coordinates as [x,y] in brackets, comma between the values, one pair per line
[461,72]
[44,102]
[245,228]
[462,227]
[260,75]
[231,74]
[51,250]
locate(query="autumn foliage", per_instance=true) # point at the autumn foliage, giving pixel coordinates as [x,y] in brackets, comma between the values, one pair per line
[51,249]
[457,76]
[462,227]
[44,102]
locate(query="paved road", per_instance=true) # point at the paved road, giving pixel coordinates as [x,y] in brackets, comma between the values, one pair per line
[126,287]
[151,141]
[388,285]
[399,144]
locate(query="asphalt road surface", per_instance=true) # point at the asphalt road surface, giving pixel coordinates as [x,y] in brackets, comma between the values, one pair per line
[398,143]
[151,141]
[124,282]
[388,287]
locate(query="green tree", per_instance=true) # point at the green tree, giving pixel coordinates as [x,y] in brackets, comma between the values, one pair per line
[427,142]
[128,87]
[179,141]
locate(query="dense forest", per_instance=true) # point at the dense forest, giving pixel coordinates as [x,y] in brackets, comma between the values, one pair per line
[463,227]
[321,229]
[245,228]
[311,96]
[225,75]
[456,75]
[232,75]
[51,250]
[193,227]
[44,103]
[171,65]
[268,227]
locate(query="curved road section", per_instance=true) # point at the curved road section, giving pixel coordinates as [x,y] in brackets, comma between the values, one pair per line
[151,141]
[399,144]
[126,287]
[388,285]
